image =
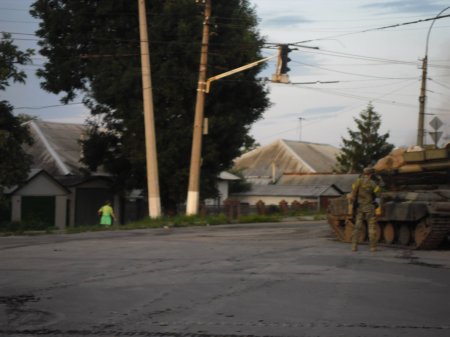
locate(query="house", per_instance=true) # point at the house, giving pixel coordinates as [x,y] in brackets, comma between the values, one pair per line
[73,194]
[266,164]
[223,184]
[58,181]
[41,199]
[274,194]
[292,171]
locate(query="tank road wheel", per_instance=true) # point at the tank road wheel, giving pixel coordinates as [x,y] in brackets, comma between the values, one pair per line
[389,233]
[421,232]
[404,235]
[349,229]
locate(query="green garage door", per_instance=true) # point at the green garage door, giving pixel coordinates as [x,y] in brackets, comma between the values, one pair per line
[87,203]
[38,211]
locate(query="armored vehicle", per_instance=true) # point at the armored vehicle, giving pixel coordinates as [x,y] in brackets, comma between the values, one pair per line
[415,200]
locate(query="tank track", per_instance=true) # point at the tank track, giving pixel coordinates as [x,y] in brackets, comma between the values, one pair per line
[440,227]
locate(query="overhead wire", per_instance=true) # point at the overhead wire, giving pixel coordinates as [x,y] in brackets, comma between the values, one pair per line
[354,74]
[375,29]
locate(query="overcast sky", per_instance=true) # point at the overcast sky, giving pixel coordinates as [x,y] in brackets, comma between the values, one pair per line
[370,63]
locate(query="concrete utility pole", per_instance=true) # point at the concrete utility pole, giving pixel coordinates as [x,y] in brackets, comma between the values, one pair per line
[422,98]
[154,202]
[423,88]
[193,196]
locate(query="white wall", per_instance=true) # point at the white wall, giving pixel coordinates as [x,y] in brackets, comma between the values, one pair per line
[39,186]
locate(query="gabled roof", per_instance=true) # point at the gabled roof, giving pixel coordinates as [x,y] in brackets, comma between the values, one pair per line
[285,156]
[32,175]
[56,147]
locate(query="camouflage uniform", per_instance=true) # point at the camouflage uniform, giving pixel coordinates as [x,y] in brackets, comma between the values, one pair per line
[364,192]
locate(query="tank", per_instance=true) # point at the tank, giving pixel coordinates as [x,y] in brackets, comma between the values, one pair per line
[414,210]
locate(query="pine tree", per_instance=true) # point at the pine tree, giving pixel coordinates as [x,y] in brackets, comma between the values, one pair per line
[364,146]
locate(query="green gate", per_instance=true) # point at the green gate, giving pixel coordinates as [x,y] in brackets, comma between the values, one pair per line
[38,212]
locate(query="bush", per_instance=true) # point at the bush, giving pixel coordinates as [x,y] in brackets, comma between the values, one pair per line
[251,218]
[16,227]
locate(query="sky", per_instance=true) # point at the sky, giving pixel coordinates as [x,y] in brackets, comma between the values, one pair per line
[365,61]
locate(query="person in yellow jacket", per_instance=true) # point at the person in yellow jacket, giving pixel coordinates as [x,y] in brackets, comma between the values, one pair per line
[365,194]
[106,213]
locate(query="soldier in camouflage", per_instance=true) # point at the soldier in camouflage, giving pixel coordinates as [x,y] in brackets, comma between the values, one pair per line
[365,192]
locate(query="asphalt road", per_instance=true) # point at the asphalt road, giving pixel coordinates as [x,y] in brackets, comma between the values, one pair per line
[284,279]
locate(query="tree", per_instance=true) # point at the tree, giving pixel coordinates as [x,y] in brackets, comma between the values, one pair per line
[14,163]
[364,146]
[93,50]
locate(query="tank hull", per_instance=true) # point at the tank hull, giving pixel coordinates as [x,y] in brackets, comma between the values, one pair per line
[415,203]
[413,225]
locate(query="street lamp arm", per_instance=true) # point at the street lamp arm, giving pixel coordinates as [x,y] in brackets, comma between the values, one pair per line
[234,71]
[423,87]
[429,30]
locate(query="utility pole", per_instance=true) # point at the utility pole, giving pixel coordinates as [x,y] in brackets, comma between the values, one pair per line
[422,98]
[154,202]
[193,196]
[423,87]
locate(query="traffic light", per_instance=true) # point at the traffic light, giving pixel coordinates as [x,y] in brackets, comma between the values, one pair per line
[284,51]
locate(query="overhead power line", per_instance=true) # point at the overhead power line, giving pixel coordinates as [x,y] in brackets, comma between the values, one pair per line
[355,74]
[375,29]
[45,106]
[383,101]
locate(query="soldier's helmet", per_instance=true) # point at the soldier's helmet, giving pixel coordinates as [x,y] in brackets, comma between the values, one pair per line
[368,170]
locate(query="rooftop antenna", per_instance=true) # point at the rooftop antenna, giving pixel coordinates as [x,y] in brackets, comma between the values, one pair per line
[300,119]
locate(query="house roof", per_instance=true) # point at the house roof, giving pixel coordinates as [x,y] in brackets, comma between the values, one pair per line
[284,156]
[33,174]
[56,147]
[292,191]
[224,175]
[75,180]
[342,181]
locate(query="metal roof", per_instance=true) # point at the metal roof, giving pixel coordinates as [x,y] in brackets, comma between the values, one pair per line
[56,147]
[292,191]
[342,181]
[224,175]
[285,156]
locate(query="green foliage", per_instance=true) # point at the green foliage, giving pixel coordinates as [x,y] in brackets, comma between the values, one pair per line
[10,57]
[93,50]
[23,227]
[14,163]
[255,218]
[364,146]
